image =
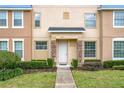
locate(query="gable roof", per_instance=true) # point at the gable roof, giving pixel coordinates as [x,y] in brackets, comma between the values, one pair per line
[15,7]
[111,7]
[66,29]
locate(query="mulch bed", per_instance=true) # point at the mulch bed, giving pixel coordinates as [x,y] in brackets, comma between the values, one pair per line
[81,68]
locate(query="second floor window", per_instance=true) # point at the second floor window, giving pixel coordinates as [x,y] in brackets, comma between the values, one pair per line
[37,20]
[90,20]
[3,18]
[118,19]
[17,19]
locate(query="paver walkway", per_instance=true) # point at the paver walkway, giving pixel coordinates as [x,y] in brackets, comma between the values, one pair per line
[64,78]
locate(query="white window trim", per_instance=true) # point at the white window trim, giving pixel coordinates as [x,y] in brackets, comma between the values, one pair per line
[22,20]
[6,21]
[4,39]
[116,39]
[84,49]
[17,39]
[40,49]
[114,21]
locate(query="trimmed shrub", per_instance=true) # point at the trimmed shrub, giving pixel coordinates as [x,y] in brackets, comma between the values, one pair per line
[92,60]
[50,62]
[8,57]
[119,67]
[25,65]
[111,63]
[10,65]
[38,60]
[74,63]
[10,73]
[32,65]
[92,66]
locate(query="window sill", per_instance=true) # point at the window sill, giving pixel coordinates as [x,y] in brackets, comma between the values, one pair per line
[3,27]
[118,58]
[118,26]
[40,49]
[18,27]
[90,27]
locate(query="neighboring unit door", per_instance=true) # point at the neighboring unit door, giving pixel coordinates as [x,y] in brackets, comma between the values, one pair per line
[63,48]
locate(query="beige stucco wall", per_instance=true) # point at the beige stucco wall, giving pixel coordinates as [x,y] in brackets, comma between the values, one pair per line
[40,54]
[52,16]
[19,33]
[108,32]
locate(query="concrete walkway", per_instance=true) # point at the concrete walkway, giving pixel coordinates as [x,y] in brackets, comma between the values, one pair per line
[64,78]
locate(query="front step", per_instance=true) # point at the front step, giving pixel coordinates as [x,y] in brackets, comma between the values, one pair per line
[63,66]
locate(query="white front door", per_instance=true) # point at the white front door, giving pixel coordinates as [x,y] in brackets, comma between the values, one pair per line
[63,48]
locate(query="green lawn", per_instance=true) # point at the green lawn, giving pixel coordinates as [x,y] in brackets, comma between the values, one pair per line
[34,80]
[99,79]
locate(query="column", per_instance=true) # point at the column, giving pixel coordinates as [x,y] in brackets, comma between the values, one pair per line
[79,50]
[53,49]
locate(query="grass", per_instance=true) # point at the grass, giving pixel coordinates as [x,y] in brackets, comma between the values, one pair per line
[34,80]
[99,79]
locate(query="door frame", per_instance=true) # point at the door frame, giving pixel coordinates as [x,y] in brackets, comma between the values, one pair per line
[58,51]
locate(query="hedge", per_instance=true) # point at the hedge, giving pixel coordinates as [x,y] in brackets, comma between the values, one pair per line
[10,73]
[28,64]
[74,63]
[119,67]
[38,60]
[111,63]
[32,65]
[92,60]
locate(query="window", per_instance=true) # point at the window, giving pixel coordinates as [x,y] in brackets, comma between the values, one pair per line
[90,20]
[66,15]
[118,19]
[37,20]
[118,49]
[18,47]
[3,45]
[90,49]
[41,45]
[18,19]
[3,19]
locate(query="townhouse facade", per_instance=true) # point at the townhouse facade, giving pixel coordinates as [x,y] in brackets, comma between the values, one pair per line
[16,30]
[63,32]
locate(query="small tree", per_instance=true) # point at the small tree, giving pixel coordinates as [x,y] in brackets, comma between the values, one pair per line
[7,58]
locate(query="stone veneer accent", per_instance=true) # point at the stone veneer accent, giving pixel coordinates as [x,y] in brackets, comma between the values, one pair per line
[53,49]
[79,50]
